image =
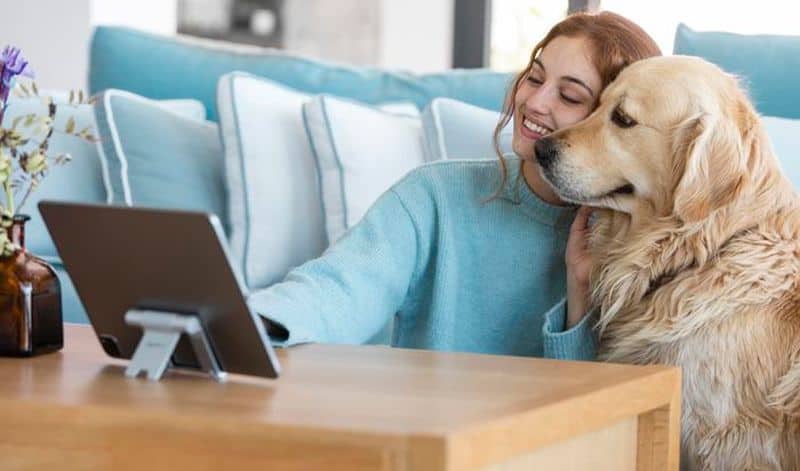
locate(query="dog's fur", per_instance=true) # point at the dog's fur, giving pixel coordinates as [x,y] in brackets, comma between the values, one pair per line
[698,265]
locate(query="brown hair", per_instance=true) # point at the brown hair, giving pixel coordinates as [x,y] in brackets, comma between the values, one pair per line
[615,41]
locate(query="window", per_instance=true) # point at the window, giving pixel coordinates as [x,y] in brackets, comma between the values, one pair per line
[516,26]
[660,19]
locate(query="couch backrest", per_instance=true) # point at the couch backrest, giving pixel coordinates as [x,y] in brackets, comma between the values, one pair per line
[179,67]
[766,63]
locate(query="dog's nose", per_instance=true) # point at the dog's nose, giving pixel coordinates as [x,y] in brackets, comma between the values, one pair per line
[546,151]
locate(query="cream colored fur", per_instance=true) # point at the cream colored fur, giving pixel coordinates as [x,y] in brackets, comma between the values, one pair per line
[698,266]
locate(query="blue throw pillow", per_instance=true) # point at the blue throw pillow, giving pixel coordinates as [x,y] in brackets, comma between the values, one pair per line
[168,67]
[160,154]
[767,63]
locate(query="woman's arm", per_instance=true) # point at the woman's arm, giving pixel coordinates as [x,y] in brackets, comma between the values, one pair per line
[350,292]
[576,343]
[567,328]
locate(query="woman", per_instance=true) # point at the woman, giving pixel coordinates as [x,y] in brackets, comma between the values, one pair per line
[460,270]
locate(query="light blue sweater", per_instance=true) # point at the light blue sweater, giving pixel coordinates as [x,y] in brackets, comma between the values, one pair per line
[458,273]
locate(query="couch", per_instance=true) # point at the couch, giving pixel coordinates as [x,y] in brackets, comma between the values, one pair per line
[289,151]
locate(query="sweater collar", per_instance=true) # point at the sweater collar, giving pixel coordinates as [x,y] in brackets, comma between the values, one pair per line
[517,191]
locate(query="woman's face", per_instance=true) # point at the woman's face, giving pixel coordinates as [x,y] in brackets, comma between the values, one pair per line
[561,89]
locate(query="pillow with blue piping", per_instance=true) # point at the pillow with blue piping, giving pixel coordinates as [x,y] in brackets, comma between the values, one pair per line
[785,137]
[160,153]
[457,130]
[274,199]
[361,151]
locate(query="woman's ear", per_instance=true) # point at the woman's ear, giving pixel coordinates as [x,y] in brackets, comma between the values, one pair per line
[710,164]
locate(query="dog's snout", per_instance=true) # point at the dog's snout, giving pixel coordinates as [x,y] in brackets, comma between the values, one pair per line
[546,151]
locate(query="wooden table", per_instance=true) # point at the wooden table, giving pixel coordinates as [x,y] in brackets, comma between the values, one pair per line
[339,407]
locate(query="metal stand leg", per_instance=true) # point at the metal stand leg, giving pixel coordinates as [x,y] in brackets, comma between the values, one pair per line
[162,330]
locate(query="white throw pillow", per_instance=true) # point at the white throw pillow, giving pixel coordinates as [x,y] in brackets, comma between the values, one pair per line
[274,203]
[458,130]
[361,150]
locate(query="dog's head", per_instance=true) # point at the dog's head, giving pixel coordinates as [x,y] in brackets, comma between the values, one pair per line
[669,137]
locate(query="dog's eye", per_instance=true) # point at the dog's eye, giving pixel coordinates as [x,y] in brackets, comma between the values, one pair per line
[621,119]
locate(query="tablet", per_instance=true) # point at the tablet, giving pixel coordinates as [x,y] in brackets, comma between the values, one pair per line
[124,259]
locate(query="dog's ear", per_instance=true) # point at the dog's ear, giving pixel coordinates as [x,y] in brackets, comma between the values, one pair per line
[710,165]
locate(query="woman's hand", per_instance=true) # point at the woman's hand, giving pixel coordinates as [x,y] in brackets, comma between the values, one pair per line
[579,268]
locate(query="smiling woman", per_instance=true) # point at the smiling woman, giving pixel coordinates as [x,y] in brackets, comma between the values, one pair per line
[566,74]
[456,269]
[568,70]
[560,89]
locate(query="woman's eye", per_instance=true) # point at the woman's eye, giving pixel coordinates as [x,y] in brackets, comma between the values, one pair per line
[535,80]
[621,119]
[569,100]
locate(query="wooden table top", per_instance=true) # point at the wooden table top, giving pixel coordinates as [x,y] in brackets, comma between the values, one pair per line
[373,392]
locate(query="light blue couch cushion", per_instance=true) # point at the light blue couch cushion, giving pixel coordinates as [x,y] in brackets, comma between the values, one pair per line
[167,67]
[785,136]
[458,130]
[767,63]
[160,154]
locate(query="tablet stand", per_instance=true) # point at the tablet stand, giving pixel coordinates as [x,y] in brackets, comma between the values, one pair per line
[162,330]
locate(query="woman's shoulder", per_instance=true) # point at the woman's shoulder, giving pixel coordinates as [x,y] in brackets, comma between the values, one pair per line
[446,173]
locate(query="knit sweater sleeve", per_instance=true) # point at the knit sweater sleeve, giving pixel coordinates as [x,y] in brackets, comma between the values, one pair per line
[350,292]
[577,343]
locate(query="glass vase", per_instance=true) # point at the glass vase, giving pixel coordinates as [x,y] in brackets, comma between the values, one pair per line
[30,300]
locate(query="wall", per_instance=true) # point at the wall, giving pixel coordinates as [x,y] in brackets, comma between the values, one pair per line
[416,35]
[157,16]
[413,35]
[341,30]
[54,34]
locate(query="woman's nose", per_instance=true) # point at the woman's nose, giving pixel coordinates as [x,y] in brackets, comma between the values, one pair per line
[540,100]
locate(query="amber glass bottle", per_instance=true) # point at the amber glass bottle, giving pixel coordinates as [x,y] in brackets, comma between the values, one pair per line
[30,300]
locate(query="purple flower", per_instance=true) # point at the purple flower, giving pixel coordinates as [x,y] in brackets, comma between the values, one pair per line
[11,65]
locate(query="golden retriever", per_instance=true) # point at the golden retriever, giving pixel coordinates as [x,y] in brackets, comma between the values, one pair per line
[696,246]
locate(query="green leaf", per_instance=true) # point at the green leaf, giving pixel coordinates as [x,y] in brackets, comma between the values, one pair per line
[62,159]
[71,96]
[35,88]
[70,125]
[80,96]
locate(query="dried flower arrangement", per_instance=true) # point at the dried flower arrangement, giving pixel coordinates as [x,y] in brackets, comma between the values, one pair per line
[25,154]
